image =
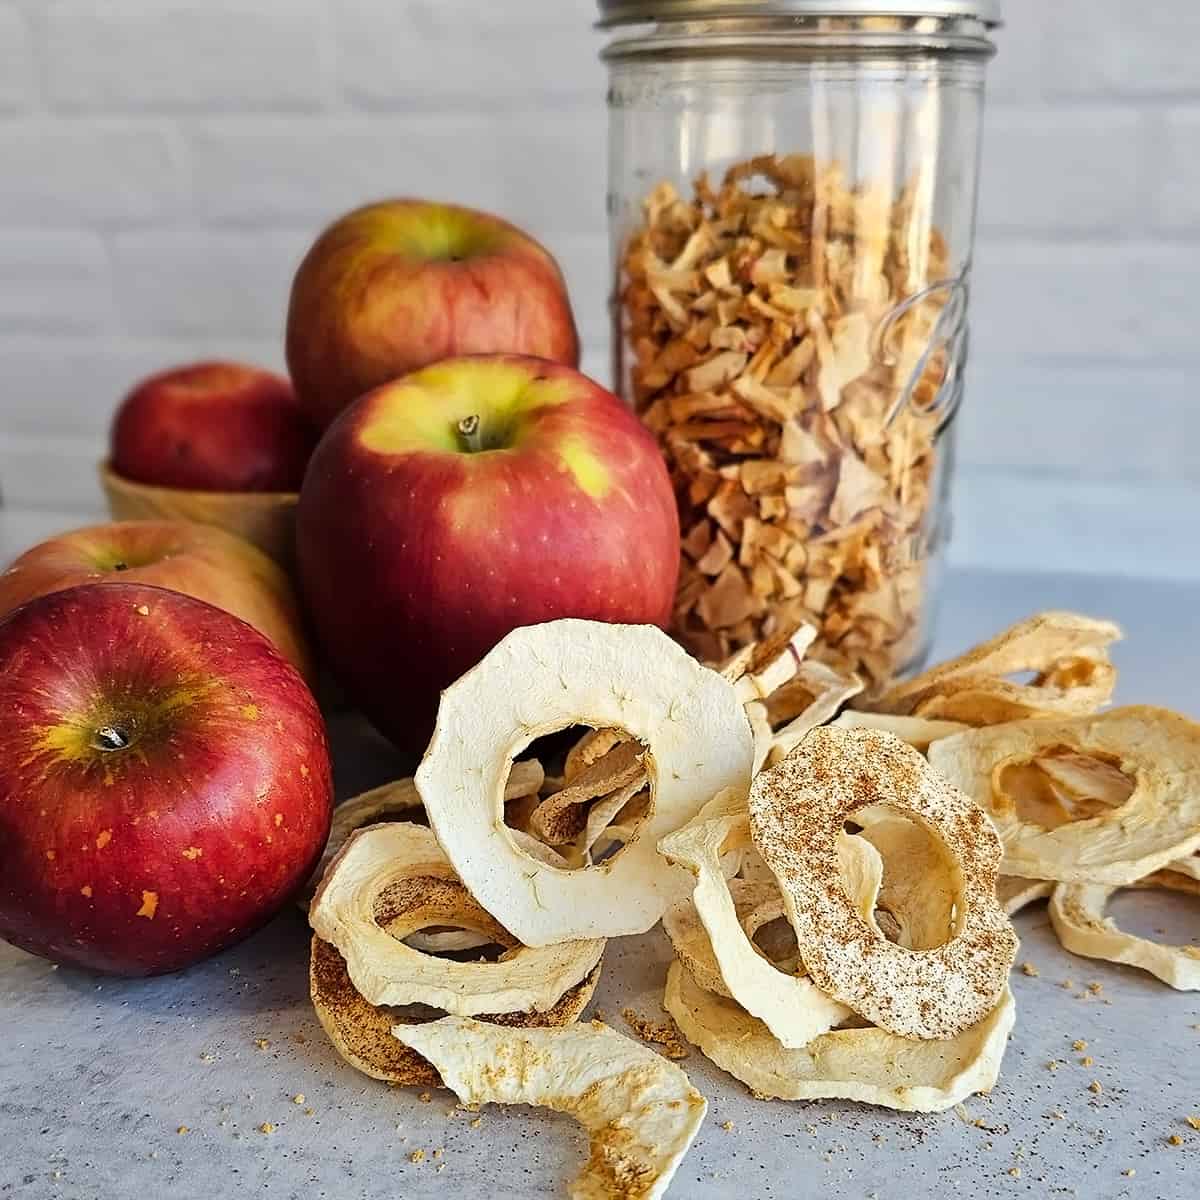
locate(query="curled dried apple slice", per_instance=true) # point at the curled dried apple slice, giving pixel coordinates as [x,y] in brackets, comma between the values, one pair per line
[400,801]
[362,1032]
[761,668]
[1189,866]
[392,880]
[1077,913]
[579,672]
[916,731]
[797,811]
[1116,835]
[563,816]
[793,1007]
[1015,893]
[640,1111]
[1068,653]
[817,691]
[871,1066]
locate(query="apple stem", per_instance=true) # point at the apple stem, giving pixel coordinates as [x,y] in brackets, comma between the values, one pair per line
[469,432]
[109,737]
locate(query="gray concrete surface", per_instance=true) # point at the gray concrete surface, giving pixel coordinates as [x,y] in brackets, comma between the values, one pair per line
[97,1075]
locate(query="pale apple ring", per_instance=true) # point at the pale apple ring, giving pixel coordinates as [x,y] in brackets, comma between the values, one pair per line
[792,1006]
[1015,893]
[1077,914]
[870,1066]
[797,810]
[543,678]
[1069,653]
[1189,866]
[395,875]
[400,801]
[1158,822]
[362,1032]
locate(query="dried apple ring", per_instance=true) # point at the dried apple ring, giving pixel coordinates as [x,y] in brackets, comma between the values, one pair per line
[1015,893]
[579,672]
[867,1065]
[1077,914]
[395,875]
[1117,843]
[400,801]
[1069,653]
[362,1032]
[797,811]
[793,1007]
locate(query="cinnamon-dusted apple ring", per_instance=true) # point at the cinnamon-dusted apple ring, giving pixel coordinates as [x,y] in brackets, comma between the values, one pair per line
[391,880]
[362,1032]
[797,811]
[579,672]
[793,1007]
[1077,913]
[1068,652]
[1121,835]
[867,1065]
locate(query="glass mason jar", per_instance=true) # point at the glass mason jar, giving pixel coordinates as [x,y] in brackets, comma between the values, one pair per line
[792,206]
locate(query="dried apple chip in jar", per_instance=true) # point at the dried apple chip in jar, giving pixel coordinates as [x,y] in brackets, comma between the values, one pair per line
[869,1065]
[572,672]
[390,881]
[798,810]
[640,1111]
[1139,767]
[1077,912]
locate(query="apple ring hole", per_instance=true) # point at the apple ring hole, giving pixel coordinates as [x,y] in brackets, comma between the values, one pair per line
[596,797]
[776,941]
[920,893]
[1060,785]
[1169,917]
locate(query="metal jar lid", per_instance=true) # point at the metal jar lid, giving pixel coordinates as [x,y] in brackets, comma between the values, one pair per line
[636,12]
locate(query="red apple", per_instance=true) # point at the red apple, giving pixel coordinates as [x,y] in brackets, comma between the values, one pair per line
[164,779]
[213,427]
[404,283]
[447,508]
[198,560]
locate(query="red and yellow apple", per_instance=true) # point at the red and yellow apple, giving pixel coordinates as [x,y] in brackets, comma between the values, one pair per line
[198,560]
[397,285]
[213,427]
[165,782]
[447,508]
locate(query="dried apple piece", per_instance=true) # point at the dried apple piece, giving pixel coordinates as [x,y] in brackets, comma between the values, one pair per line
[362,1032]
[793,1007]
[562,816]
[392,880]
[1015,893]
[400,801]
[1068,652]
[633,677]
[920,732]
[640,1111]
[1078,839]
[870,1065]
[1078,916]
[799,808]
[827,690]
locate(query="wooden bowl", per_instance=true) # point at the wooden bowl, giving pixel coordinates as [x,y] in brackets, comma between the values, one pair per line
[268,519]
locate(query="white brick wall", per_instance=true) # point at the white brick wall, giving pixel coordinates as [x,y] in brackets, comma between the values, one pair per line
[163,164]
